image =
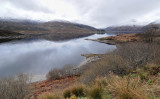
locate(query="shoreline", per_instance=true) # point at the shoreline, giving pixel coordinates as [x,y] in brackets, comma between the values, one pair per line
[123,38]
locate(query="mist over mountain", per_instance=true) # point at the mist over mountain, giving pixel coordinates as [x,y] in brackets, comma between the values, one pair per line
[131,29]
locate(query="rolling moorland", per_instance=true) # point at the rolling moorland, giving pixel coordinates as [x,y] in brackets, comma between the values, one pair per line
[132,71]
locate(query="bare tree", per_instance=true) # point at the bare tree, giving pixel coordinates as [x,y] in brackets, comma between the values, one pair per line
[67,71]
[14,87]
[138,53]
[150,32]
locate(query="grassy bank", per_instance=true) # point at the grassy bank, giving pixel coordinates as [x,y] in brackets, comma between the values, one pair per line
[132,71]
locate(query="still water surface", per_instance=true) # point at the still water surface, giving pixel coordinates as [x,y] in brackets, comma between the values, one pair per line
[39,56]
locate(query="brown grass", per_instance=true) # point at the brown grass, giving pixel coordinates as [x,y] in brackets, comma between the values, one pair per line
[127,88]
[77,90]
[50,96]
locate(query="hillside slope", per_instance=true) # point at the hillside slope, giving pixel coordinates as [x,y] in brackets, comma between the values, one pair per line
[52,30]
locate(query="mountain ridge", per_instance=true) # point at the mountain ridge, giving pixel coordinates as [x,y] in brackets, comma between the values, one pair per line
[51,30]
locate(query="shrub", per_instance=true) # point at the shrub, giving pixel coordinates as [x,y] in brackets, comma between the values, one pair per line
[143,76]
[133,75]
[67,93]
[110,63]
[96,92]
[49,96]
[14,87]
[149,81]
[100,81]
[53,74]
[127,88]
[73,97]
[76,90]
[137,54]
[117,64]
[66,71]
[153,69]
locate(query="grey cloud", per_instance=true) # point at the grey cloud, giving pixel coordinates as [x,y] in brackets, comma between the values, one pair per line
[98,13]
[112,12]
[84,6]
[31,5]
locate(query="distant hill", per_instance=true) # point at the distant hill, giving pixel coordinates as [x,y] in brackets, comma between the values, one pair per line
[152,25]
[132,29]
[52,30]
[154,28]
[148,33]
[125,29]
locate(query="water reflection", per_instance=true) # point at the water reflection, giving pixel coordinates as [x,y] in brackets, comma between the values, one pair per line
[38,57]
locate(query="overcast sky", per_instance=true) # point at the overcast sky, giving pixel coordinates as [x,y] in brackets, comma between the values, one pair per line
[97,13]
